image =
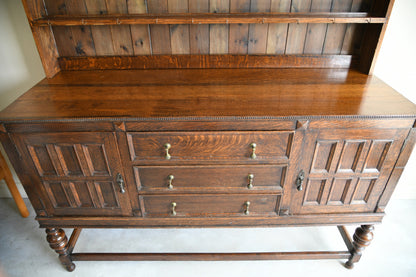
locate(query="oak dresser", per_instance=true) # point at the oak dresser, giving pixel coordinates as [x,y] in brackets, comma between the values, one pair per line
[177,113]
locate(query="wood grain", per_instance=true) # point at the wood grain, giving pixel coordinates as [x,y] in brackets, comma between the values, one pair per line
[260,93]
[122,39]
[139,33]
[258,33]
[205,178]
[238,34]
[199,34]
[335,34]
[101,34]
[160,34]
[207,61]
[219,34]
[179,33]
[316,33]
[44,38]
[297,32]
[63,36]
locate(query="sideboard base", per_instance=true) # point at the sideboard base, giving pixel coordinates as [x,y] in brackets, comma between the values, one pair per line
[64,247]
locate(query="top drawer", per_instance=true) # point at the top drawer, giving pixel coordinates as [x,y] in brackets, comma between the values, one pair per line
[210,146]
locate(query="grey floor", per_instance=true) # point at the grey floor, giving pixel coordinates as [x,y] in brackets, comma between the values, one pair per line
[24,251]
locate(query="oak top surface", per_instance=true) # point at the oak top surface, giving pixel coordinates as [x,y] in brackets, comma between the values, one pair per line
[208,93]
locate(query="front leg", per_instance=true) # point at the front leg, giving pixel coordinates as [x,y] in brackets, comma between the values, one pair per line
[59,242]
[362,238]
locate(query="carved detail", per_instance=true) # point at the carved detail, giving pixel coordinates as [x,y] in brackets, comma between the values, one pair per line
[59,242]
[119,126]
[302,124]
[362,238]
[284,212]
[2,128]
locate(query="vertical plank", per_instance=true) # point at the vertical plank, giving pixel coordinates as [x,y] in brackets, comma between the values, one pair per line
[63,35]
[218,33]
[257,42]
[179,33]
[100,34]
[336,32]
[160,35]
[297,32]
[315,35]
[355,32]
[44,38]
[139,33]
[277,36]
[82,36]
[238,36]
[122,41]
[199,34]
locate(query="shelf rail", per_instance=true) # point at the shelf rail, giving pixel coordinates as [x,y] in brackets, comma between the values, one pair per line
[208,18]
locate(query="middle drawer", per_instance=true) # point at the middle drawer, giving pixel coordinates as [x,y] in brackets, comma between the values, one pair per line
[253,177]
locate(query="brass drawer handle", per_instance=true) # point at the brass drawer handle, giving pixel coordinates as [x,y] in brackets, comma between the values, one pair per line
[247,206]
[250,181]
[253,151]
[299,180]
[173,208]
[170,178]
[120,182]
[167,146]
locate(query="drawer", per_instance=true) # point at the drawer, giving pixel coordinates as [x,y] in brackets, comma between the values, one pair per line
[250,177]
[210,205]
[210,146]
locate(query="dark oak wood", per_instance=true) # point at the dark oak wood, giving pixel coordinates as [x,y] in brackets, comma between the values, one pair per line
[362,238]
[311,255]
[59,242]
[206,61]
[156,178]
[236,113]
[346,237]
[347,93]
[209,18]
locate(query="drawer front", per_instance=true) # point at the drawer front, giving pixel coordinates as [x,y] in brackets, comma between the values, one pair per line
[254,177]
[210,205]
[209,146]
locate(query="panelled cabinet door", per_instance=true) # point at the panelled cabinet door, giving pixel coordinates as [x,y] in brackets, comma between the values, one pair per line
[345,170]
[77,172]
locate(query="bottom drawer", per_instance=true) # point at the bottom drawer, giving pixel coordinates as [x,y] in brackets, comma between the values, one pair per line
[210,205]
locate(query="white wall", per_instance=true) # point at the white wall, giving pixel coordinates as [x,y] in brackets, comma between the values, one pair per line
[396,65]
[20,66]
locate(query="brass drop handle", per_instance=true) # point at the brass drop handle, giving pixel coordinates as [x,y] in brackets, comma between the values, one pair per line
[247,206]
[253,151]
[299,180]
[170,178]
[167,146]
[173,208]
[120,182]
[250,181]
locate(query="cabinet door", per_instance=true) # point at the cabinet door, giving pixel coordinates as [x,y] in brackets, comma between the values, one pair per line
[76,172]
[345,170]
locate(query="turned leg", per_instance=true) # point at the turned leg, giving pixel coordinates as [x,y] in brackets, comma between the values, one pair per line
[59,242]
[362,238]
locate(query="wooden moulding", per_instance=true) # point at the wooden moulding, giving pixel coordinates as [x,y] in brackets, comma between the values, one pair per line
[279,221]
[207,61]
[207,18]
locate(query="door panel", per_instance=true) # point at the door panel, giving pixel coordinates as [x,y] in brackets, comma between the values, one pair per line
[77,171]
[346,170]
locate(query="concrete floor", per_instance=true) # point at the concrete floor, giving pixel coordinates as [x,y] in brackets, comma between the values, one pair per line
[25,252]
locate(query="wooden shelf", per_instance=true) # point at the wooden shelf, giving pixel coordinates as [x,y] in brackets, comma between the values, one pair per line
[208,18]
